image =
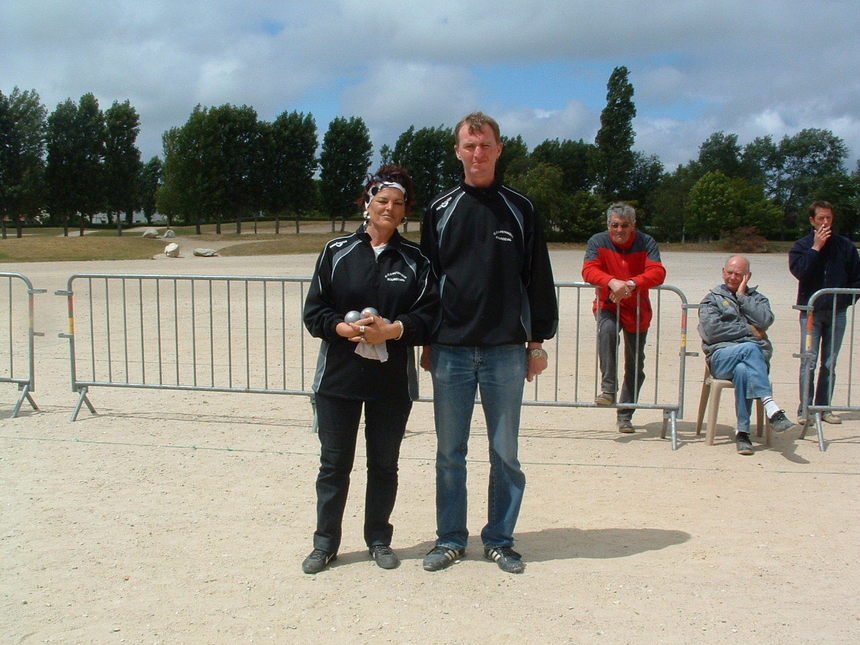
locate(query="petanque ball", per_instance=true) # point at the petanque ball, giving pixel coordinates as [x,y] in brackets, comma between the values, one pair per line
[352,316]
[367,312]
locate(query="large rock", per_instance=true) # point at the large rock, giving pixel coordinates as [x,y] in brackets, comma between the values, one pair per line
[150,232]
[170,233]
[205,253]
[172,250]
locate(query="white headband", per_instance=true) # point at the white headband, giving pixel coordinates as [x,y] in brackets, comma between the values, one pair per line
[375,188]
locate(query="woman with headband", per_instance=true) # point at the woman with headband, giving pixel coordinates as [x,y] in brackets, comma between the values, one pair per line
[367,362]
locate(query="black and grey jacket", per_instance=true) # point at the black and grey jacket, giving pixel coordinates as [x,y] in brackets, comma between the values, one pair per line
[725,319]
[835,265]
[399,285]
[488,251]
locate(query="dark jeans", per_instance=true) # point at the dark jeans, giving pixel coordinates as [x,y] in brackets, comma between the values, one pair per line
[827,333]
[384,425]
[608,329]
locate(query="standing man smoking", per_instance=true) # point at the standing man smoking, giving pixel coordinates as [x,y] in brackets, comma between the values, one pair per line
[486,244]
[820,260]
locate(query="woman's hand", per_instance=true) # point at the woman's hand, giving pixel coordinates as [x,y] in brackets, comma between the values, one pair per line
[373,330]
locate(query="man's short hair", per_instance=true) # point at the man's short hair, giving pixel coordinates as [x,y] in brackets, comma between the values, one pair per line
[819,204]
[476,122]
[621,210]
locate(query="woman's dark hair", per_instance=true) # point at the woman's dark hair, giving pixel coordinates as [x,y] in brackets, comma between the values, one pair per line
[394,173]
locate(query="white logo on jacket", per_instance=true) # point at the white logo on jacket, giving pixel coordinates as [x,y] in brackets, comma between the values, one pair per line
[503,236]
[395,276]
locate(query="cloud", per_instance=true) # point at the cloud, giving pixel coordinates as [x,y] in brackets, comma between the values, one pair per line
[396,95]
[752,68]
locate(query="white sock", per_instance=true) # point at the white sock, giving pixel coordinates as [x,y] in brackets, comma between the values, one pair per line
[770,406]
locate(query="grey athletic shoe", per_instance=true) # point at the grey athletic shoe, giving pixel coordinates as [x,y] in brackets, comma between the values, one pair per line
[384,556]
[508,560]
[441,557]
[780,423]
[317,561]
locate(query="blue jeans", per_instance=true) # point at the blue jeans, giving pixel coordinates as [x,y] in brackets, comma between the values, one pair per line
[827,333]
[458,372]
[744,365]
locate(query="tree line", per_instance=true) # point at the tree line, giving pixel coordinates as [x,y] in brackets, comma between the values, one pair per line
[225,164]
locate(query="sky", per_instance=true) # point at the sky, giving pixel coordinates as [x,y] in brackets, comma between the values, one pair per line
[540,67]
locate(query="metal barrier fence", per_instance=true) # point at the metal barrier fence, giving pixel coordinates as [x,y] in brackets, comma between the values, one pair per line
[187,332]
[573,377]
[841,397]
[17,359]
[245,334]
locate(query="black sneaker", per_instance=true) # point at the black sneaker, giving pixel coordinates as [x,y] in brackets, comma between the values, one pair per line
[384,556]
[440,557]
[317,561]
[744,443]
[780,423]
[508,560]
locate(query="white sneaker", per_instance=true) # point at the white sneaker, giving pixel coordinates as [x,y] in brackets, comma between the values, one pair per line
[831,418]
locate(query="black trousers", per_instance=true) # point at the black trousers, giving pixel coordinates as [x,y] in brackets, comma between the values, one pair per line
[384,426]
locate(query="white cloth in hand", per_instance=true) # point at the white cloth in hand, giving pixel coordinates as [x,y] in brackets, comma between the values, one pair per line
[378,352]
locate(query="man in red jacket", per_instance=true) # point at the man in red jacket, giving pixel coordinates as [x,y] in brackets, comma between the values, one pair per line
[624,263]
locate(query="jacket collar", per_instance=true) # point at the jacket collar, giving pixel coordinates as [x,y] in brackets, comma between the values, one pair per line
[362,233]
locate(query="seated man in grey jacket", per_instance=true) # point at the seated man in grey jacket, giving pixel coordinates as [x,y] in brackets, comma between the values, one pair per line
[733,323]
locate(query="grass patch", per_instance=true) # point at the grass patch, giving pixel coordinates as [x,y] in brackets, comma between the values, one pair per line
[66,249]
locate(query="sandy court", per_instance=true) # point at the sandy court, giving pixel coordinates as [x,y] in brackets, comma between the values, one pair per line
[183,517]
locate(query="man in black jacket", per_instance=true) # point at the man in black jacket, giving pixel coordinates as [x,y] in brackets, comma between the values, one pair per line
[486,245]
[822,260]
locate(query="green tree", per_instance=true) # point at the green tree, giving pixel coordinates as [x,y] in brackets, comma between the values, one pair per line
[90,143]
[513,161]
[288,164]
[569,216]
[719,205]
[61,170]
[149,182]
[544,186]
[428,155]
[588,215]
[574,159]
[613,158]
[721,152]
[344,161]
[386,155]
[122,166]
[22,147]
[189,184]
[646,176]
[791,170]
[668,204]
[843,191]
[231,146]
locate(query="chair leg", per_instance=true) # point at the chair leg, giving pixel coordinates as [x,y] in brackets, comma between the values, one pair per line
[703,403]
[714,405]
[762,423]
